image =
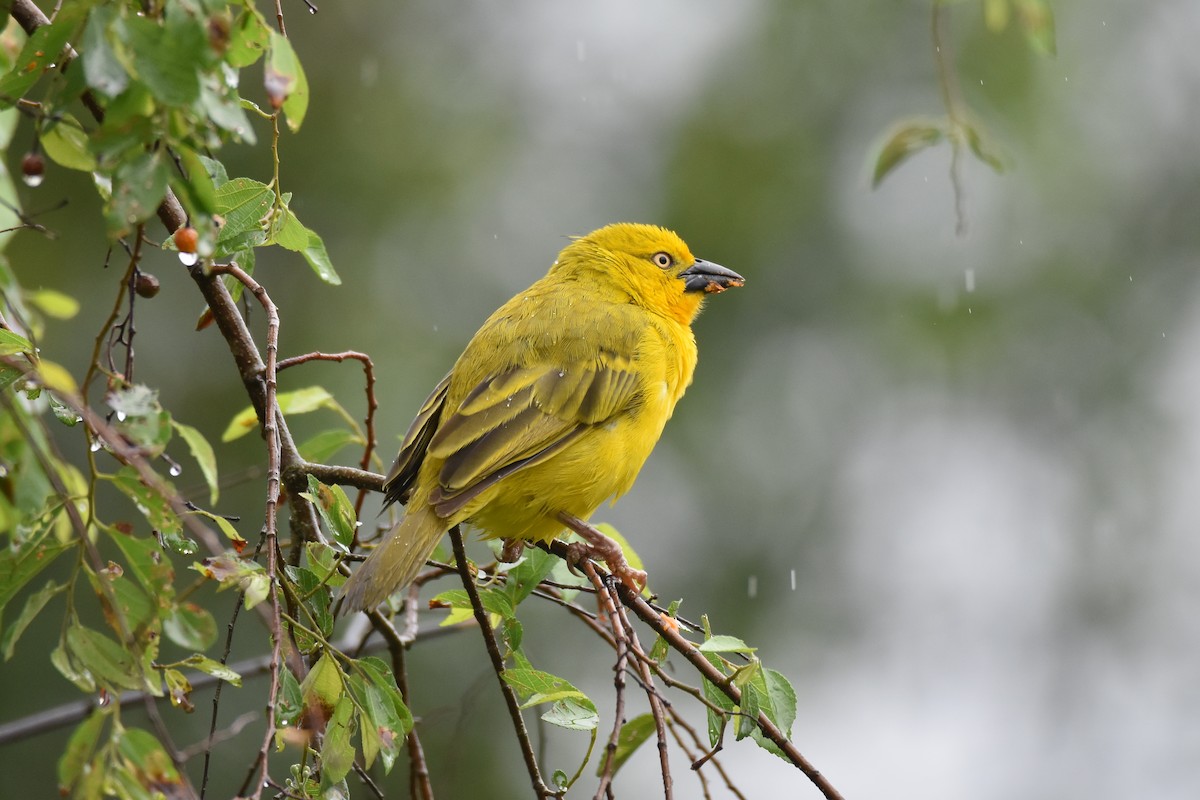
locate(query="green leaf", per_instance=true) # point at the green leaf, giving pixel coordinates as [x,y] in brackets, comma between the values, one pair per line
[190,626]
[56,377]
[12,343]
[231,571]
[633,734]
[906,138]
[1036,19]
[203,453]
[147,764]
[103,658]
[224,109]
[33,606]
[40,51]
[574,714]
[179,689]
[139,185]
[133,603]
[20,565]
[493,600]
[981,145]
[725,644]
[195,187]
[54,303]
[70,669]
[239,543]
[571,709]
[322,447]
[322,687]
[101,67]
[293,235]
[391,712]
[337,754]
[335,509]
[140,418]
[166,56]
[778,700]
[67,144]
[155,508]
[996,14]
[301,401]
[248,38]
[719,700]
[286,85]
[212,667]
[244,204]
[290,703]
[144,558]
[80,747]
[523,578]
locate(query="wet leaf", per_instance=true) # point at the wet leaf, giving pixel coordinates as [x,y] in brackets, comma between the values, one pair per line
[633,734]
[906,138]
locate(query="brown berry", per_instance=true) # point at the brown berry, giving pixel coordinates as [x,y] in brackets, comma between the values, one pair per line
[186,240]
[146,285]
[33,167]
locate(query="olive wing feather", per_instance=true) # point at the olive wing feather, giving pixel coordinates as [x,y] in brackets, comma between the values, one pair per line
[399,483]
[521,417]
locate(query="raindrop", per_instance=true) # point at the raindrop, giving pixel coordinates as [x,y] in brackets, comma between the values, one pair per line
[793,577]
[752,587]
[33,180]
[95,445]
[969,279]
[188,259]
[175,470]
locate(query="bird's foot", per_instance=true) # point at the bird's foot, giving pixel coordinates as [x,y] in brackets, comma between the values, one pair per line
[597,546]
[511,550]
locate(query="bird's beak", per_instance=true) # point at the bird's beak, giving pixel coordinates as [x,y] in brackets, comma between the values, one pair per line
[705,276]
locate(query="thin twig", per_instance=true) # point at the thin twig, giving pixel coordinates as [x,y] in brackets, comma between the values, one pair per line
[216,704]
[656,702]
[271,416]
[620,640]
[688,650]
[943,54]
[372,404]
[489,639]
[396,644]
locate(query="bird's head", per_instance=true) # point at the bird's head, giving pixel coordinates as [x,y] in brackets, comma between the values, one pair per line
[650,264]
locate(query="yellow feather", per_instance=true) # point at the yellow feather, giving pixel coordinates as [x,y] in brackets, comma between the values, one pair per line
[554,405]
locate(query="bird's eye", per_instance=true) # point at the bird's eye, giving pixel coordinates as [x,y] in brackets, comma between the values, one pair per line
[662,260]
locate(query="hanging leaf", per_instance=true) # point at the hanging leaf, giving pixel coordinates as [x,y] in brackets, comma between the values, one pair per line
[906,138]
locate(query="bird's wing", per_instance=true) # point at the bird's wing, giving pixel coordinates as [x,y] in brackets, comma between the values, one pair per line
[399,483]
[522,416]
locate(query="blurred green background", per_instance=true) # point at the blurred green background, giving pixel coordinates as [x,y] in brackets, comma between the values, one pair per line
[946,482]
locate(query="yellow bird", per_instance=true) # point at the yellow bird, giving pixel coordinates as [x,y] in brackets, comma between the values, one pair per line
[553,407]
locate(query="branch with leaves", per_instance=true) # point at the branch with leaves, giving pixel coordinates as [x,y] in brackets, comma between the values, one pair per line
[139,98]
[959,126]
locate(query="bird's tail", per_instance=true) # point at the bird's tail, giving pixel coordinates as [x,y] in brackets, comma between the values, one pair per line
[395,561]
